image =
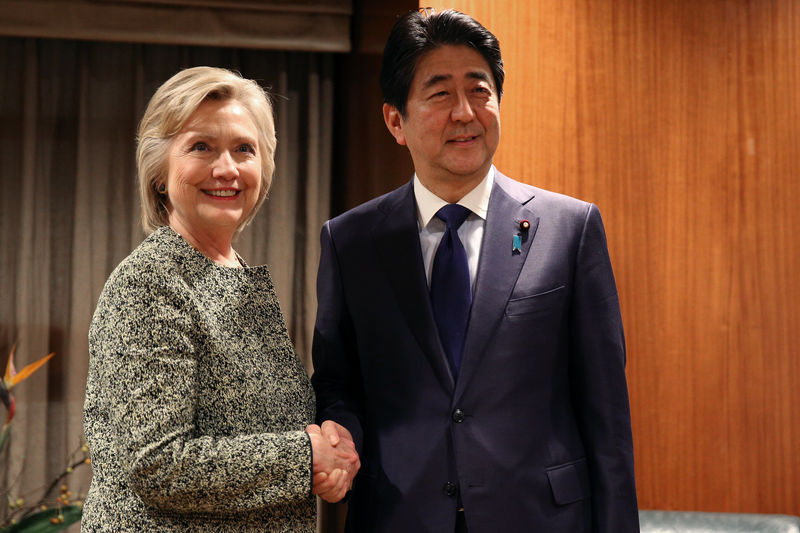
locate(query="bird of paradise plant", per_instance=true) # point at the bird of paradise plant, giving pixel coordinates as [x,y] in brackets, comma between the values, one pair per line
[37,517]
[11,379]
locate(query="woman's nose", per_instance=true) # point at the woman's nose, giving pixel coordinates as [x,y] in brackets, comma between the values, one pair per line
[225,167]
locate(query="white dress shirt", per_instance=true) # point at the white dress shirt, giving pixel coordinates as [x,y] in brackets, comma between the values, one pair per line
[431,229]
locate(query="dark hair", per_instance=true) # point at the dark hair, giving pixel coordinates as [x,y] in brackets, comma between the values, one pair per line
[419,32]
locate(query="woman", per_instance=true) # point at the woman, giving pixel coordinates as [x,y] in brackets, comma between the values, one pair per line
[196,403]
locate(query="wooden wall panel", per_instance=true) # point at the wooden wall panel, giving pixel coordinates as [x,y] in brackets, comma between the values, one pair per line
[681,120]
[367,160]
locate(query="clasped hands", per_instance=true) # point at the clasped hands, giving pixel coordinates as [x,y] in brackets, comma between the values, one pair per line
[335,460]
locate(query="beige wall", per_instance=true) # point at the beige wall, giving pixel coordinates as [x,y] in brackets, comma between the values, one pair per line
[681,120]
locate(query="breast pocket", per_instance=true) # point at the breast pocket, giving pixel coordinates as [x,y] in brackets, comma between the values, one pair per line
[537,303]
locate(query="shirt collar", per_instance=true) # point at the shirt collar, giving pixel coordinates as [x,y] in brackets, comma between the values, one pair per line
[476,200]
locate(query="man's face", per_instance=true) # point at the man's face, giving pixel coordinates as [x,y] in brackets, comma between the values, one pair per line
[452,122]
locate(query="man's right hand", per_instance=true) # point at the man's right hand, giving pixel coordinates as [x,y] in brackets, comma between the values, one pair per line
[336,461]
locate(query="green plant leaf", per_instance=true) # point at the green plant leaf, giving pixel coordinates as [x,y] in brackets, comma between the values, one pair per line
[40,522]
[4,437]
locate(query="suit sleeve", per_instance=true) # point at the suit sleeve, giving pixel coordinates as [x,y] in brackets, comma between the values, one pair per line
[337,375]
[600,394]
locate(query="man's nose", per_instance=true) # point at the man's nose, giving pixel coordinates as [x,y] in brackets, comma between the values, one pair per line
[462,109]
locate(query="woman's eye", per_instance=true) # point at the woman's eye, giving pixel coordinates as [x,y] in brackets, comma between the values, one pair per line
[247,148]
[200,147]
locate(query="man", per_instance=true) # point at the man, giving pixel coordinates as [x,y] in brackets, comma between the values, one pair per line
[478,364]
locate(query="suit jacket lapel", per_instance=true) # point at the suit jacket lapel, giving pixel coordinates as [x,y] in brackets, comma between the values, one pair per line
[498,268]
[398,246]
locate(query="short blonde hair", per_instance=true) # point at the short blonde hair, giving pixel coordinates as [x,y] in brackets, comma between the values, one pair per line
[169,110]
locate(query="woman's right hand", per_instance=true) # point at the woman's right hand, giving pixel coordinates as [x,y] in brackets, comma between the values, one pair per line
[335,463]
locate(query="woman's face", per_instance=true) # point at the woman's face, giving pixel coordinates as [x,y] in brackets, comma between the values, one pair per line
[214,173]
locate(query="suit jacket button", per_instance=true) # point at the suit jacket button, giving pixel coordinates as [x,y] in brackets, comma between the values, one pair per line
[450,489]
[459,416]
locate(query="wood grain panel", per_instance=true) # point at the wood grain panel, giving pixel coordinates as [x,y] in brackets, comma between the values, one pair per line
[367,160]
[681,120]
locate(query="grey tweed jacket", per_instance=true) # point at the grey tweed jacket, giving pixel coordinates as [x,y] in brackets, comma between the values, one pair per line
[196,403]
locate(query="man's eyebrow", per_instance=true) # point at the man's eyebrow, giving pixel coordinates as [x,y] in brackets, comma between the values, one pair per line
[436,78]
[478,75]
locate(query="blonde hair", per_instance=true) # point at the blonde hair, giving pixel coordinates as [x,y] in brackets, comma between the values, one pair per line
[168,111]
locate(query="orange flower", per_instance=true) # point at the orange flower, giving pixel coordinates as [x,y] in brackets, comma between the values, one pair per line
[13,378]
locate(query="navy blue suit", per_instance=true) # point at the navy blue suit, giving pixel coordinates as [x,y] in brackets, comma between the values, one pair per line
[534,434]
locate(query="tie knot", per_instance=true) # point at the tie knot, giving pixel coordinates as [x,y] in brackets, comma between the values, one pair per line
[453,215]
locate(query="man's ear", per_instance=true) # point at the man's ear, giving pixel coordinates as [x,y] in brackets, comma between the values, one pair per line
[394,121]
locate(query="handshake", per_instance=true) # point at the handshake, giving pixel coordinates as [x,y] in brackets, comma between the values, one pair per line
[335,461]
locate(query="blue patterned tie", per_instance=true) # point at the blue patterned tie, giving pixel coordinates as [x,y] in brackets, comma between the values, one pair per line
[451,294]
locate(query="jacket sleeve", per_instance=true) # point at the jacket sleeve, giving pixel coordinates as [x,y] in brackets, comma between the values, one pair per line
[140,411]
[337,374]
[600,394]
